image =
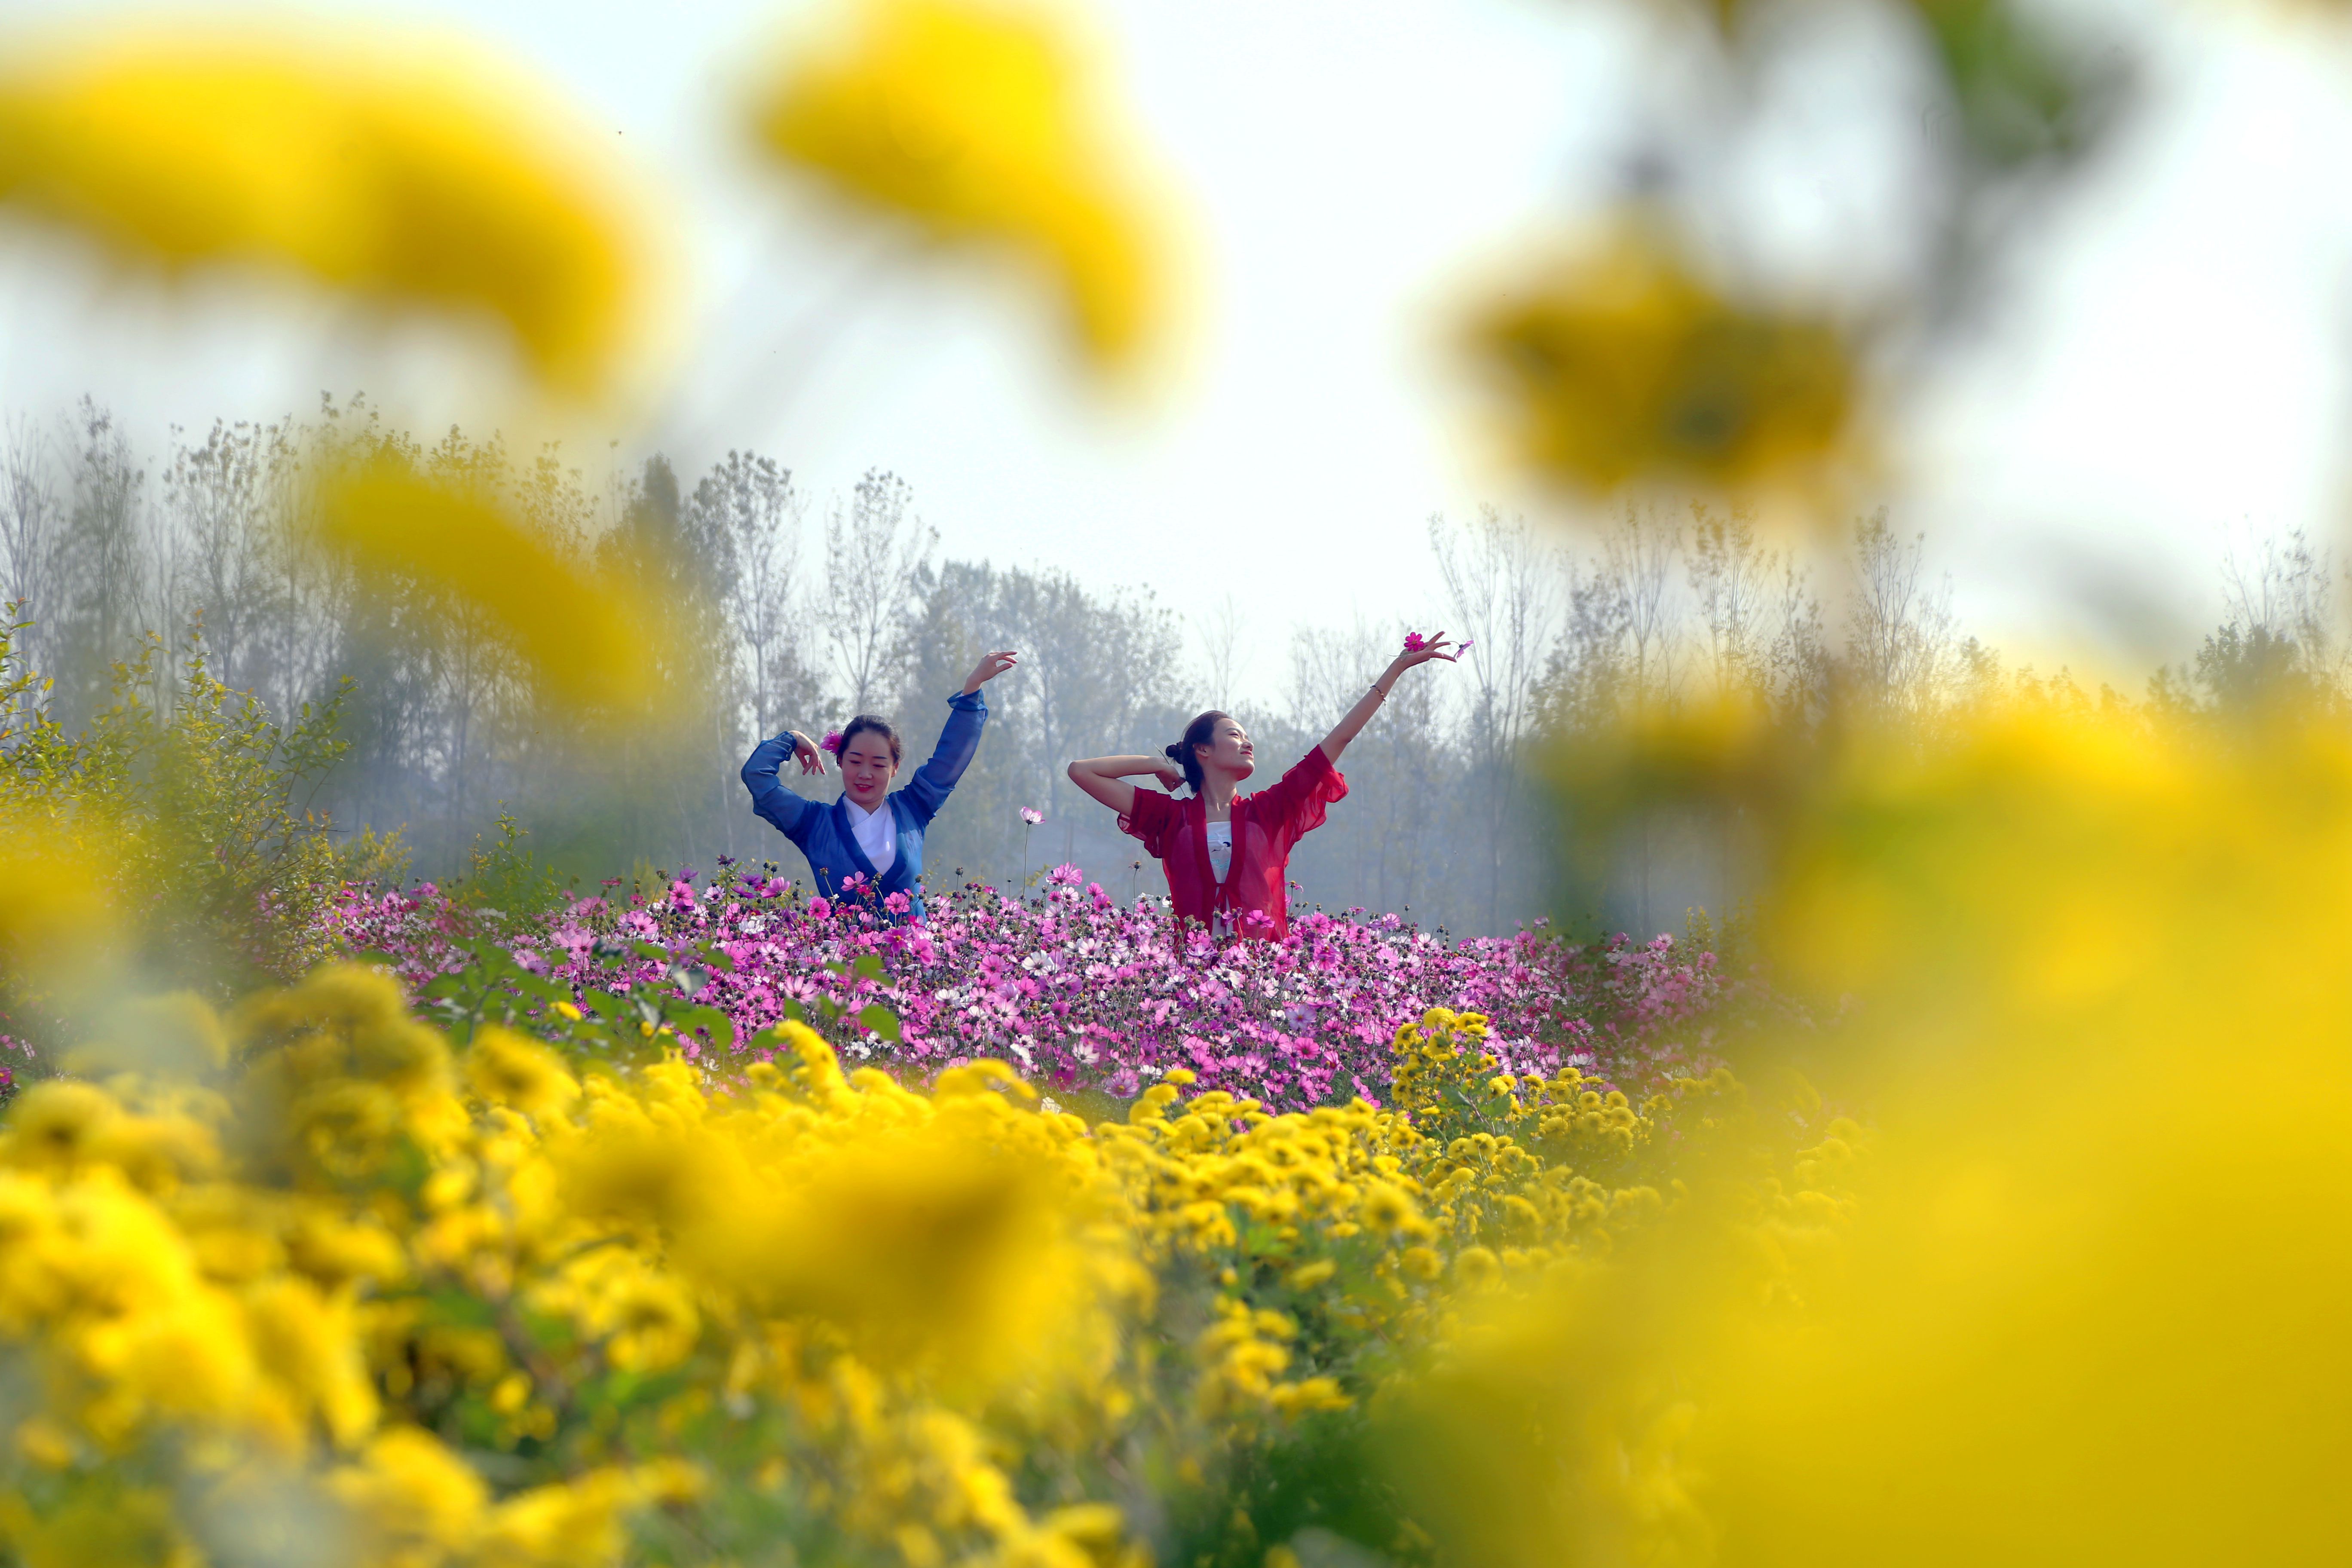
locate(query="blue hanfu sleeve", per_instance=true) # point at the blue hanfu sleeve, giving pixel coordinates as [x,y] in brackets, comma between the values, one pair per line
[770,798]
[928,790]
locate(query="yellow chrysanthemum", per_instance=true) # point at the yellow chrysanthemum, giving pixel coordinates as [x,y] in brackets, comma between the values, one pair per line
[974,120]
[396,172]
[58,922]
[1621,367]
[589,639]
[508,1069]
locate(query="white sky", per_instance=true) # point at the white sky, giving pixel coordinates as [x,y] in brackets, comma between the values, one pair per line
[2169,376]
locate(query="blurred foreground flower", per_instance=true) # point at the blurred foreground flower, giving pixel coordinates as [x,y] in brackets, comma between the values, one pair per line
[974,120]
[2084,1306]
[397,175]
[1621,367]
[591,638]
[58,922]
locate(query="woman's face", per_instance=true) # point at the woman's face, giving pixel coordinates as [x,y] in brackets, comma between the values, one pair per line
[866,768]
[1230,752]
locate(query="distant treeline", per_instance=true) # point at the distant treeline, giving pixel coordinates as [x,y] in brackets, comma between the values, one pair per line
[800,610]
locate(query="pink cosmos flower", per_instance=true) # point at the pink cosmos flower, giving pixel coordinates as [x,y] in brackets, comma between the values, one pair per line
[1032,816]
[1415,642]
[832,742]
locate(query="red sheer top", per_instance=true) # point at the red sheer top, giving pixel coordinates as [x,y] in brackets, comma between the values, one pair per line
[1253,897]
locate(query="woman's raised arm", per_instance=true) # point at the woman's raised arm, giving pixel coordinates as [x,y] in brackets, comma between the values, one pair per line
[1352,723]
[770,798]
[1104,778]
[968,711]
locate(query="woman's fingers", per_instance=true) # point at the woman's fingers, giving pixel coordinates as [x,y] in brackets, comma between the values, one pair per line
[993,665]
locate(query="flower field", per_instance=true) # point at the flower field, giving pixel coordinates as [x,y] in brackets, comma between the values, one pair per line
[724,1227]
[478,1296]
[1076,992]
[1991,1206]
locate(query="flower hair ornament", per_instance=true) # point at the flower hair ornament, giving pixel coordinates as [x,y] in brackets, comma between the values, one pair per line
[832,742]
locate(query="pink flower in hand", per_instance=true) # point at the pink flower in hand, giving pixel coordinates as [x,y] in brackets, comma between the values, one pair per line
[1463,646]
[1032,816]
[1415,642]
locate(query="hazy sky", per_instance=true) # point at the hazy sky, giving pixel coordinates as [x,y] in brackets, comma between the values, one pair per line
[2169,372]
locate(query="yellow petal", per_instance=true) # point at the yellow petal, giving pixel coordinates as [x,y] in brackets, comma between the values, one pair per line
[395,173]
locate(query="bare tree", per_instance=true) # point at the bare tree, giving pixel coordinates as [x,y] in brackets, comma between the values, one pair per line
[1731,580]
[2289,592]
[1797,662]
[103,563]
[220,560]
[30,524]
[1503,583]
[875,549]
[1639,553]
[1220,629]
[753,501]
[1900,645]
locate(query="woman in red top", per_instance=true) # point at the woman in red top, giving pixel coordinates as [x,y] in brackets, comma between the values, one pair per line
[1227,854]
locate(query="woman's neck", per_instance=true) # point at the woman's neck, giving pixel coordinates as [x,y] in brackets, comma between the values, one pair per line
[1217,789]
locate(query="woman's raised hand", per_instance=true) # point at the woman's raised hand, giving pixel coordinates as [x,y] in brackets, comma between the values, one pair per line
[1170,774]
[1419,650]
[805,752]
[989,666]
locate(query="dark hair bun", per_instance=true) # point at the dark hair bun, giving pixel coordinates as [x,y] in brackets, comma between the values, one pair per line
[1174,753]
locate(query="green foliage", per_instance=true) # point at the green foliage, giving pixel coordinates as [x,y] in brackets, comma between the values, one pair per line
[203,809]
[506,882]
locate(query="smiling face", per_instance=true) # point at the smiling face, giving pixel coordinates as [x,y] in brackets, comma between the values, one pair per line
[1230,752]
[866,769]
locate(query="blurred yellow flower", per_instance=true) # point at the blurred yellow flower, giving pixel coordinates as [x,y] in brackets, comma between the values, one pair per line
[974,120]
[508,1069]
[58,923]
[591,641]
[2083,1301]
[402,172]
[1618,367]
[415,1501]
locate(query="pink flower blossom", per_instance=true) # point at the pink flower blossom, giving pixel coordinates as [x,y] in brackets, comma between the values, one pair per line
[1415,642]
[1078,989]
[1032,816]
[832,742]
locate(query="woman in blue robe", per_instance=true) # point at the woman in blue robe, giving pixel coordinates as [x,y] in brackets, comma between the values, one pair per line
[871,829]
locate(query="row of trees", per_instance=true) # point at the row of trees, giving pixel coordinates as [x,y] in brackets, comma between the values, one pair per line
[798,611]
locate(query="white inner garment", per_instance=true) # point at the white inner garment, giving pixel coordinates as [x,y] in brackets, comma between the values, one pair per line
[1221,848]
[878,835]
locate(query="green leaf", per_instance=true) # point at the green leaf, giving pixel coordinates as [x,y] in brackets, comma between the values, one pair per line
[646,950]
[721,1027]
[532,984]
[716,958]
[881,1020]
